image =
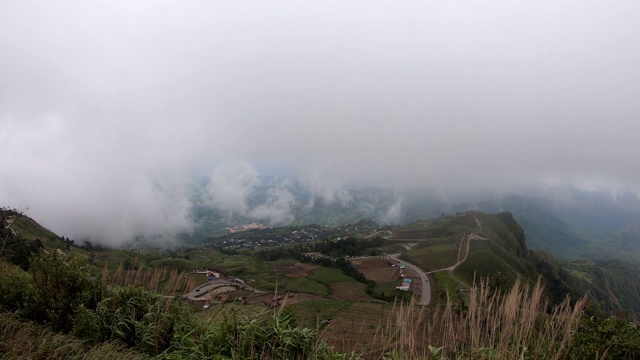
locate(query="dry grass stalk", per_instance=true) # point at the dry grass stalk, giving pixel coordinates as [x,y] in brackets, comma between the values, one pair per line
[512,325]
[118,274]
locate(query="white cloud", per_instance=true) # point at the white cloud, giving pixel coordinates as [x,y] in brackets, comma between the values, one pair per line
[100,103]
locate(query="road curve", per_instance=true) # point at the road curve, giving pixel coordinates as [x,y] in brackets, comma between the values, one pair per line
[426,287]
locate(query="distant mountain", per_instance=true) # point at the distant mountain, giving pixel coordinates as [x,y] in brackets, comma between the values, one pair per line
[22,237]
[501,254]
[568,222]
[612,285]
[277,202]
[577,224]
[545,229]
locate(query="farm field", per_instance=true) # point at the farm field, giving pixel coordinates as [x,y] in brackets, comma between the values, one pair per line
[378,270]
[435,254]
[350,291]
[387,288]
[306,285]
[330,275]
[310,313]
[353,328]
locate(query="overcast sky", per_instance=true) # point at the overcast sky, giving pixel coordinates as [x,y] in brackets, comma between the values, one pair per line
[108,110]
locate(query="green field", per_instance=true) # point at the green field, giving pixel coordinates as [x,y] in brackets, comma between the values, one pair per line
[441,227]
[434,254]
[443,283]
[306,285]
[387,288]
[330,275]
[309,313]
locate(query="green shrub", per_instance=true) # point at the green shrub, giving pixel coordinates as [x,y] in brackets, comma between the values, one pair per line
[59,289]
[15,285]
[605,338]
[135,317]
[233,338]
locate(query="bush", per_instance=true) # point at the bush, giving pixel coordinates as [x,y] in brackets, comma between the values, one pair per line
[276,338]
[59,289]
[605,338]
[138,318]
[15,285]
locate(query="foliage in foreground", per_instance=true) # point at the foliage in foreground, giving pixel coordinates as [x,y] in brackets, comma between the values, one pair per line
[20,340]
[81,317]
[61,295]
[513,325]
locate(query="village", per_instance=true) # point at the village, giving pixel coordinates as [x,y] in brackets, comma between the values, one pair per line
[261,236]
[221,288]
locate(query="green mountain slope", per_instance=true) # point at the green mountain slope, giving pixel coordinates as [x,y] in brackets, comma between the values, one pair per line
[504,256]
[575,225]
[498,251]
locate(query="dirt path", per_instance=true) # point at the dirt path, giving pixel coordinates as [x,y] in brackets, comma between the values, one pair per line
[426,287]
[467,237]
[466,255]
[378,232]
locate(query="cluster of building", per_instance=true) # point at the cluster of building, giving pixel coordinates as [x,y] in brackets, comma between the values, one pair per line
[246,227]
[279,236]
[406,282]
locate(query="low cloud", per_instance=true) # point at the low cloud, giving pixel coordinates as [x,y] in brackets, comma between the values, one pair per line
[233,186]
[108,112]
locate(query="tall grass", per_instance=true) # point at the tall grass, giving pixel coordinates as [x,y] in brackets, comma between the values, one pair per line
[159,280]
[513,325]
[22,340]
[136,313]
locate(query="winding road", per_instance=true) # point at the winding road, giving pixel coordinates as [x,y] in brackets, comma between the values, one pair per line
[426,287]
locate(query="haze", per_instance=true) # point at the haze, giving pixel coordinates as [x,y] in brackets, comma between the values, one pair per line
[109,111]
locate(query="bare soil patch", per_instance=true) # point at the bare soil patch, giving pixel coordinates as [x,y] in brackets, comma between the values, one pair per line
[349,291]
[378,270]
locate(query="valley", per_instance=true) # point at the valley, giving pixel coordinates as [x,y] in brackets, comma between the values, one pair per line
[344,281]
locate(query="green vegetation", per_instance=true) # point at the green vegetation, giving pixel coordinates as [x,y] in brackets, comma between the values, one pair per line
[24,340]
[443,283]
[584,226]
[96,303]
[349,246]
[434,254]
[307,285]
[310,313]
[330,276]
[435,228]
[613,285]
[63,296]
[385,289]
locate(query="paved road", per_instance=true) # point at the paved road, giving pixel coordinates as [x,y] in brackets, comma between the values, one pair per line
[426,287]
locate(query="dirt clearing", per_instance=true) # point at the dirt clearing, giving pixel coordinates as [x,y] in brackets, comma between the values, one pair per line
[378,270]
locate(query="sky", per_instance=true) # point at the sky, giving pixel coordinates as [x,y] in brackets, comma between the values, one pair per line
[111,110]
